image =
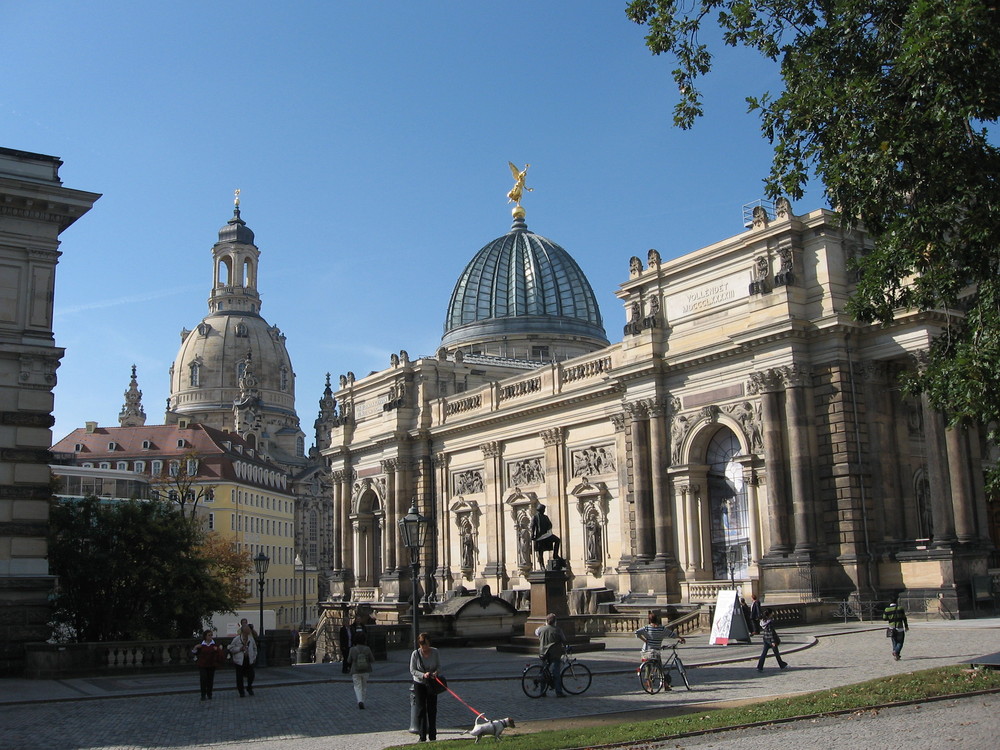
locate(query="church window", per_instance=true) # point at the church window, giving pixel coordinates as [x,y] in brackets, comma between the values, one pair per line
[195,379]
[284,378]
[730,527]
[313,526]
[300,445]
[241,330]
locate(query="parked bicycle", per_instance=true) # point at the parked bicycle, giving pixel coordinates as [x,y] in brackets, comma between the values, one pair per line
[654,673]
[536,679]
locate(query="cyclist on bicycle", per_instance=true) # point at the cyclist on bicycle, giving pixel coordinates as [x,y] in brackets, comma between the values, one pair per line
[652,636]
[551,646]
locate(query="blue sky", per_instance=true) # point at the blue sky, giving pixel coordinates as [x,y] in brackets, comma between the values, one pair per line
[370,141]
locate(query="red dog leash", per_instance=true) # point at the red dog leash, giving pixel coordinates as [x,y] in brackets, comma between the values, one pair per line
[477,713]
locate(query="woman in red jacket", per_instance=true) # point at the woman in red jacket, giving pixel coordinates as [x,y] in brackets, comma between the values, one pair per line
[208,655]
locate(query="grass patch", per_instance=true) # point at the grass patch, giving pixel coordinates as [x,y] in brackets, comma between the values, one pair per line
[920,685]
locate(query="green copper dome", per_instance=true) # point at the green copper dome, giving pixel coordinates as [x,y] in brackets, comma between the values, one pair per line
[522,284]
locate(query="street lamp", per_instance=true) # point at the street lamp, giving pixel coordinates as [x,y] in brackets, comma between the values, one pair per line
[302,562]
[261,563]
[413,529]
[735,556]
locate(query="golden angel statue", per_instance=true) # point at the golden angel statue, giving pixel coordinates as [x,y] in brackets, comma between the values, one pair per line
[515,192]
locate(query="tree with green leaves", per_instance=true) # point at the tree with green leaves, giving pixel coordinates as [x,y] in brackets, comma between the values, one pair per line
[887,103]
[132,570]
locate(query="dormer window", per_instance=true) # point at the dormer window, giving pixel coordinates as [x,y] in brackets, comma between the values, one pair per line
[181,443]
[146,445]
[78,448]
[112,446]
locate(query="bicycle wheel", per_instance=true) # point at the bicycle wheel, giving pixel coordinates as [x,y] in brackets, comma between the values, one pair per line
[651,677]
[576,678]
[534,681]
[683,672]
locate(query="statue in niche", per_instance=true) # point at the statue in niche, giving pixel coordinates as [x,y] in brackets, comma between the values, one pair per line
[592,539]
[524,541]
[468,548]
[543,538]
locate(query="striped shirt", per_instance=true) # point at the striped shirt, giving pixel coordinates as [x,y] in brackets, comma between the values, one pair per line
[895,615]
[653,636]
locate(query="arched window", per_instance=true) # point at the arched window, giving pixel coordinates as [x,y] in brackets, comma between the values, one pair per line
[728,503]
[195,379]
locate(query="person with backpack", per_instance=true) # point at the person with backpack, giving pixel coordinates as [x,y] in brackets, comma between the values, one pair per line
[771,640]
[895,615]
[360,659]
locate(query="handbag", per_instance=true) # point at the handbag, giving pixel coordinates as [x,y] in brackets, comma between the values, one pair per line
[436,685]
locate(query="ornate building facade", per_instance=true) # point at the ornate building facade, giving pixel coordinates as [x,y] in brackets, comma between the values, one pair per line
[35,209]
[745,427]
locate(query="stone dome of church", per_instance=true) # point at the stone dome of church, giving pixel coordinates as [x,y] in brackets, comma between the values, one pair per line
[524,296]
[233,371]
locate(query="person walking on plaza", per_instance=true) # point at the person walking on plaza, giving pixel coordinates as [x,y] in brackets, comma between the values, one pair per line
[243,647]
[754,615]
[895,615]
[208,655]
[551,646]
[771,640]
[360,659]
[424,667]
[348,632]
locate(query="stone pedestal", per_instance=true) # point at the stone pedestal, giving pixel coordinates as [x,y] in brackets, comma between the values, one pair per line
[548,594]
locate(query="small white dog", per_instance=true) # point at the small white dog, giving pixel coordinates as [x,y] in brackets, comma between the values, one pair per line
[484,726]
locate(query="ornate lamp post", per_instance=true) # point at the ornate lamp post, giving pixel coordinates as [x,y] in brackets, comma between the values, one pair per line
[300,561]
[413,530]
[261,563]
[734,556]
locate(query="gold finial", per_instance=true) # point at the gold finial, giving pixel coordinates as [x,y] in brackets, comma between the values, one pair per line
[236,197]
[514,196]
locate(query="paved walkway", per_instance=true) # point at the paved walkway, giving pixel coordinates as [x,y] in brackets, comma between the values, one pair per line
[312,706]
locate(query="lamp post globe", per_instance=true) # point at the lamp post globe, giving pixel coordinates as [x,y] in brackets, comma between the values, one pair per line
[413,529]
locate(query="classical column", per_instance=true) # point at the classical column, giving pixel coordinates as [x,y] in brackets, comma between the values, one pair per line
[620,423]
[663,531]
[956,440]
[346,527]
[554,440]
[692,520]
[883,453]
[937,475]
[404,497]
[337,532]
[768,384]
[800,466]
[641,481]
[751,481]
[389,545]
[493,519]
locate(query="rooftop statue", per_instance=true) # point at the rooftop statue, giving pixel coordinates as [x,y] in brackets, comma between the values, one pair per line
[519,175]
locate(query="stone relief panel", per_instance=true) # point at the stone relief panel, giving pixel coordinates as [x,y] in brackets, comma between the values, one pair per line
[525,473]
[749,417]
[467,482]
[593,461]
